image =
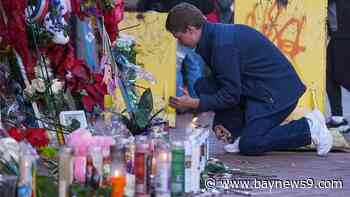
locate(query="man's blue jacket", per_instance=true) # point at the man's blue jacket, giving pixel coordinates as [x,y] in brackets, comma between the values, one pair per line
[246,66]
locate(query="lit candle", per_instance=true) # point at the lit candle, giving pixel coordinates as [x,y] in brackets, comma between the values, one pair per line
[164,157]
[177,168]
[118,183]
[194,122]
[25,184]
[65,170]
[142,155]
[163,173]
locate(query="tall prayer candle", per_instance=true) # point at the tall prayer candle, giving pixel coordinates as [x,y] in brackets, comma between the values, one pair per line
[26,177]
[65,171]
[141,168]
[118,183]
[178,168]
[163,175]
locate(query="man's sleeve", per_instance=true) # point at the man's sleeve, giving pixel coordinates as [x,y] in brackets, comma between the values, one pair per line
[225,62]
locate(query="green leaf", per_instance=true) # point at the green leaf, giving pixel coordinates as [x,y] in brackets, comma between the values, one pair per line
[146,101]
[124,119]
[49,152]
[46,187]
[144,109]
[215,168]
[80,190]
[5,168]
[141,118]
[105,192]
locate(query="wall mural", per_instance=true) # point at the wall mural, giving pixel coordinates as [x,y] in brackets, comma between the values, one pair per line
[298,29]
[156,53]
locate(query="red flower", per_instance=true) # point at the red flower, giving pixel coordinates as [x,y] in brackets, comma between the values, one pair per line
[16,134]
[80,70]
[112,18]
[37,137]
[16,34]
[77,75]
[88,103]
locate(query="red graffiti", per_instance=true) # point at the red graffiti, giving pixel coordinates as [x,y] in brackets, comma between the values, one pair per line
[272,28]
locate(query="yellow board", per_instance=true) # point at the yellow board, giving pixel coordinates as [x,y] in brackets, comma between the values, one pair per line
[156,53]
[299,31]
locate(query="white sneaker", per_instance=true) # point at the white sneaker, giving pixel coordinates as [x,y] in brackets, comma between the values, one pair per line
[232,148]
[320,135]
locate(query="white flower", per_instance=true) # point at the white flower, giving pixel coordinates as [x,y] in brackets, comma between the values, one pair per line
[9,148]
[69,75]
[38,85]
[29,90]
[56,86]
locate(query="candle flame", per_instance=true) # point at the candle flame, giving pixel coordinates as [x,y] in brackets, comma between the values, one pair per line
[164,156]
[194,120]
[117,173]
[27,163]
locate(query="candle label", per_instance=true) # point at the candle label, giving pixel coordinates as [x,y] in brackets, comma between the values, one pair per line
[70,170]
[140,172]
[130,158]
[106,166]
[130,185]
[26,177]
[24,190]
[79,169]
[163,176]
[130,169]
[149,174]
[178,171]
[62,189]
[89,170]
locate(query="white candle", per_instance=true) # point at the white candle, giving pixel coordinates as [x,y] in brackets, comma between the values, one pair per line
[163,174]
[65,170]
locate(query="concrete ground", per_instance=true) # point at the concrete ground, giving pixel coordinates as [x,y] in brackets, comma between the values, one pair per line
[289,166]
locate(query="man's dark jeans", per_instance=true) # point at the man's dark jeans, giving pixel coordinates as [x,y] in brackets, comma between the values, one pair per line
[266,134]
[259,135]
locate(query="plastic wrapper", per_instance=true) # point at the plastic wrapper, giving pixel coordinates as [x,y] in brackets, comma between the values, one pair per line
[8,185]
[133,71]
[9,148]
[125,42]
[13,113]
[3,132]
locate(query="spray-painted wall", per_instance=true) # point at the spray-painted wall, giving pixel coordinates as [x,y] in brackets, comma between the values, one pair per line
[157,54]
[298,29]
